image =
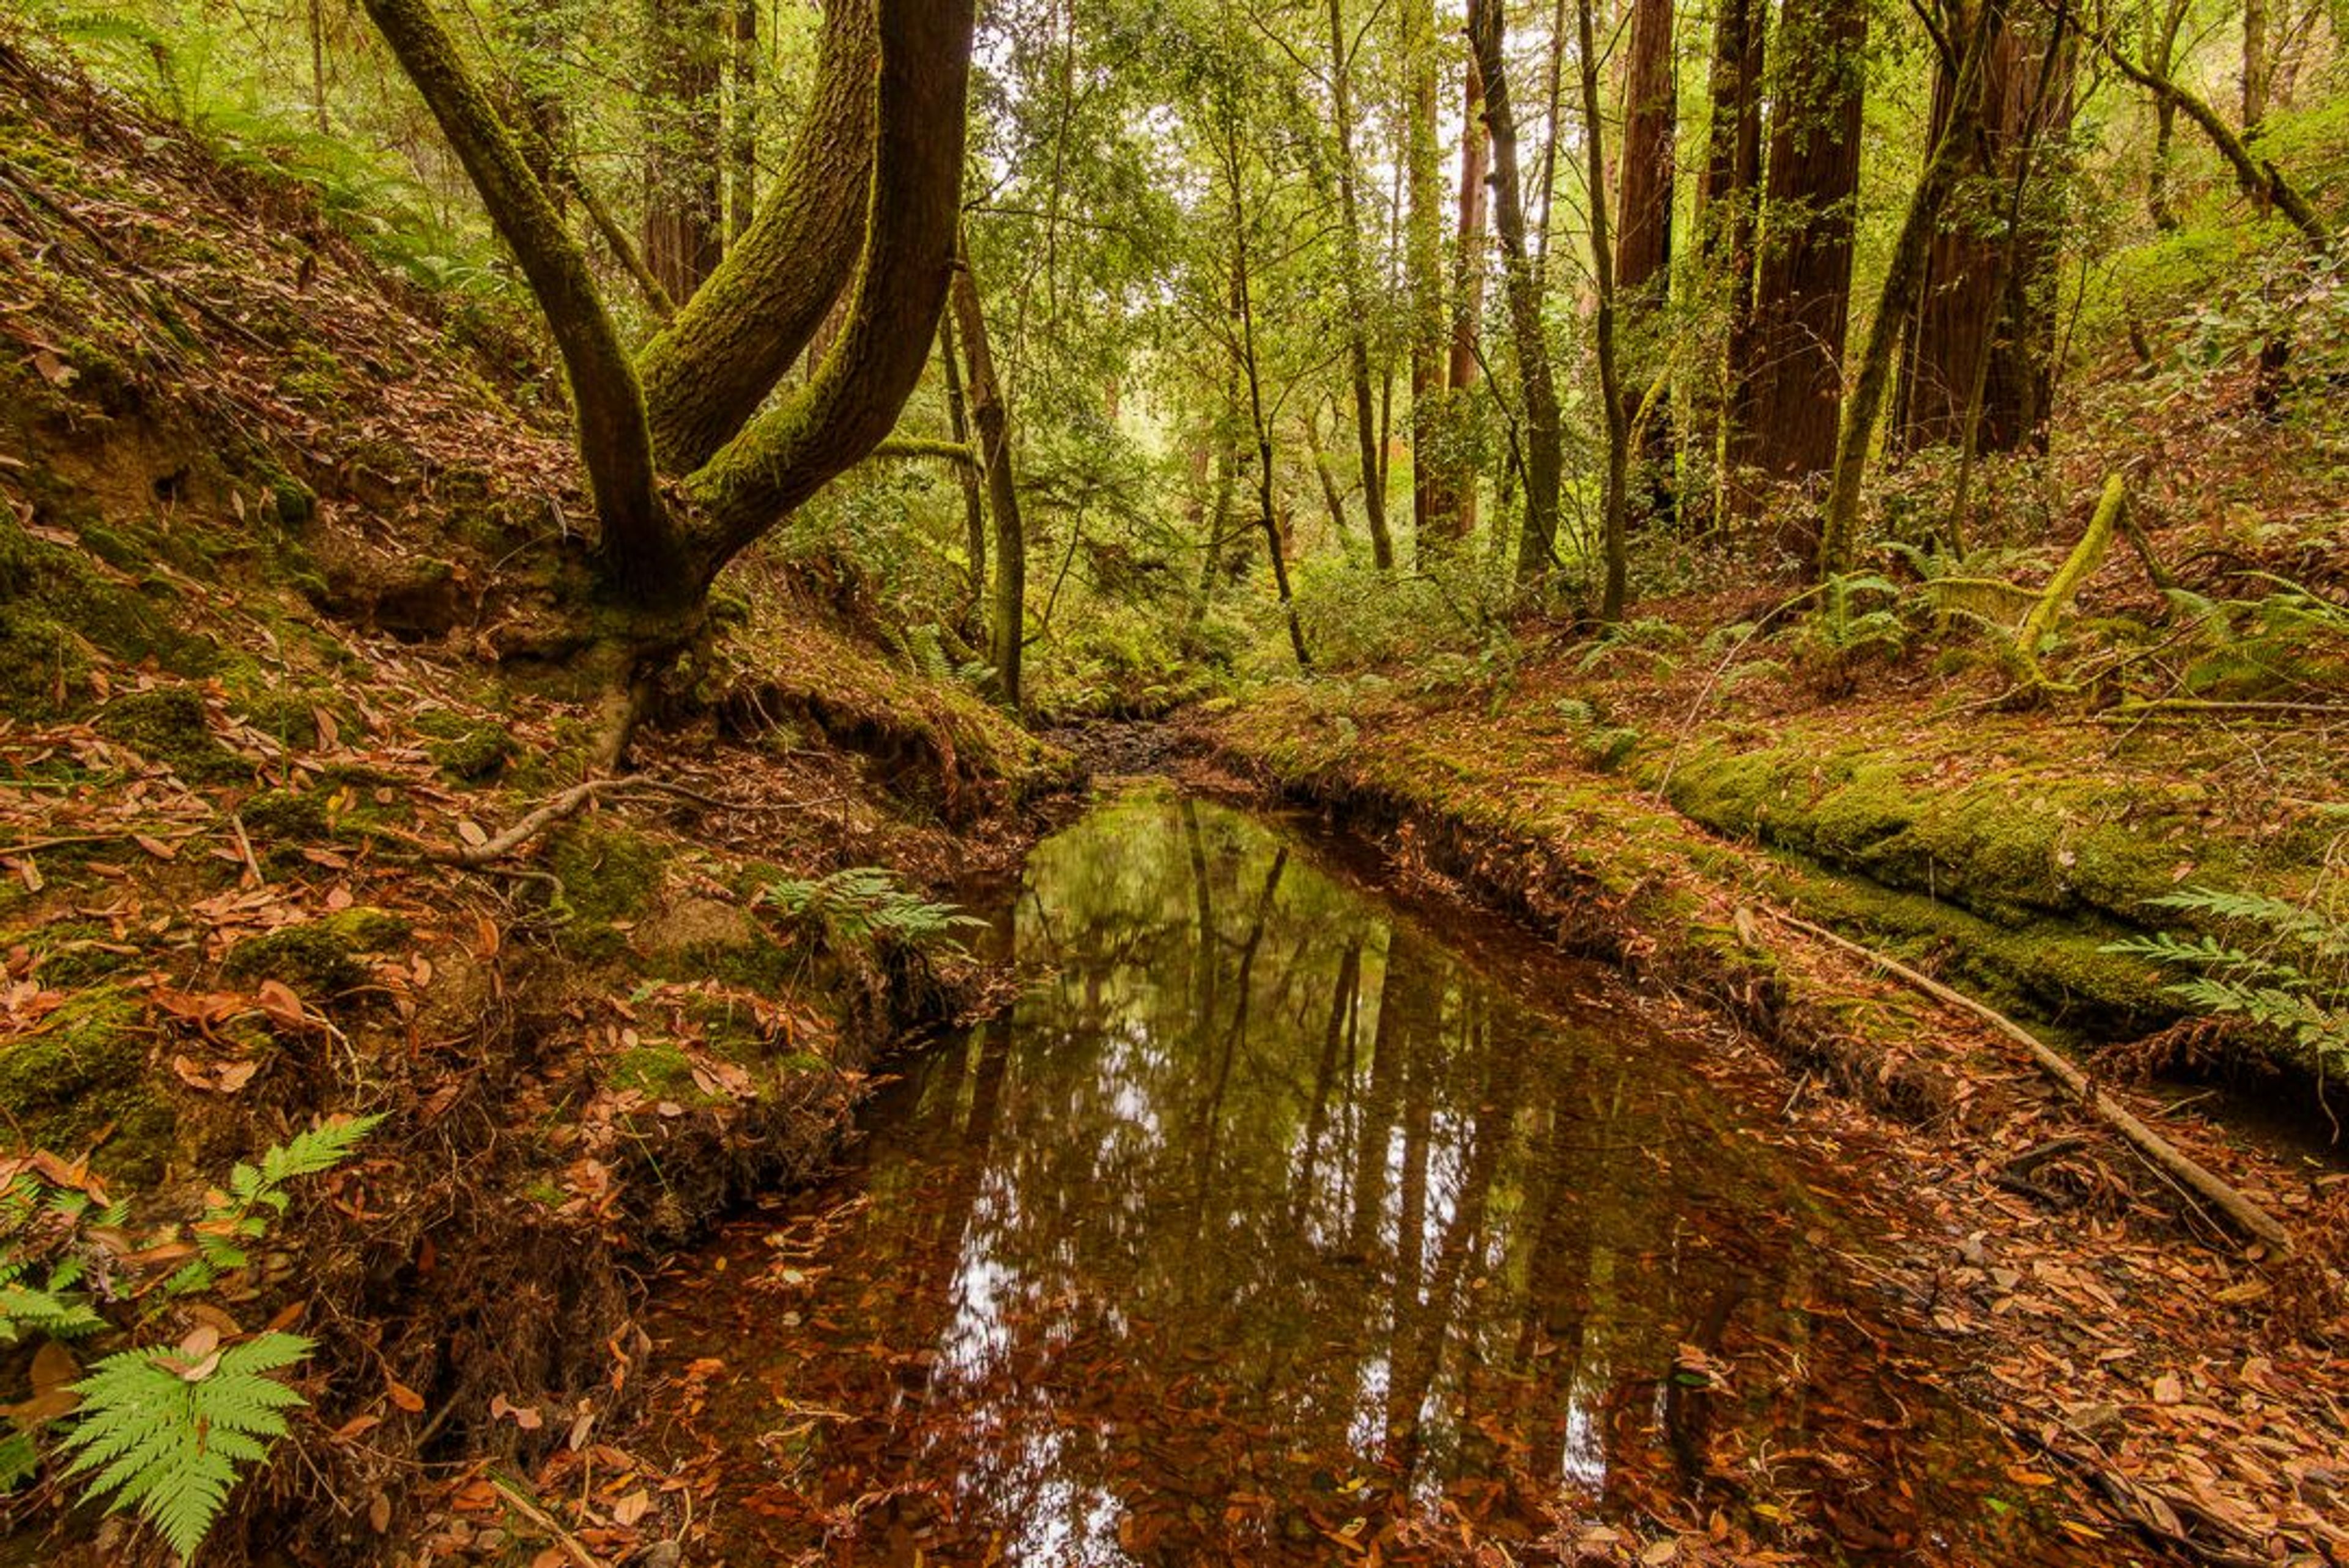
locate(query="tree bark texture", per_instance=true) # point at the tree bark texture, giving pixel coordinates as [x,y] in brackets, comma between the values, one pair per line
[641,550]
[1802,287]
[1433,512]
[1358,336]
[1728,213]
[1538,538]
[685,48]
[1643,237]
[1613,542]
[1986,315]
[1008,625]
[787,453]
[1468,287]
[732,342]
[1904,275]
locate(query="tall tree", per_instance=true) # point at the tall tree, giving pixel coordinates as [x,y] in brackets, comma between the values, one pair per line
[1008,625]
[1468,285]
[685,48]
[1973,30]
[1537,538]
[1644,253]
[742,124]
[1614,544]
[1434,516]
[1978,357]
[1802,289]
[1358,330]
[1728,225]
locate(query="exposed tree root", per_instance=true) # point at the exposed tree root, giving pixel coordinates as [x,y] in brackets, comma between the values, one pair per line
[2245,1215]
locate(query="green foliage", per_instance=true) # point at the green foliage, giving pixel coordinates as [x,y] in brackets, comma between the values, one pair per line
[257,1193]
[863,905]
[2280,967]
[164,1430]
[168,1438]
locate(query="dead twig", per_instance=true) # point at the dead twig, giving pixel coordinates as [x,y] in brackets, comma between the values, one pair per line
[2245,1215]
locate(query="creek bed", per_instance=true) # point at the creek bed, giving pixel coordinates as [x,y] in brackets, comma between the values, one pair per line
[1285,1220]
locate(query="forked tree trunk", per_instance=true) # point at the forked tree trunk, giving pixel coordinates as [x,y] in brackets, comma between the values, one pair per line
[1537,538]
[912,109]
[731,344]
[1008,627]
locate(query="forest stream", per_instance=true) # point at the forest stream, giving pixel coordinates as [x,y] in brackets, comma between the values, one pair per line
[1284,1219]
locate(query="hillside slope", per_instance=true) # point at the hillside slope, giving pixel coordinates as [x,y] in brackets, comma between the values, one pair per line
[292,828]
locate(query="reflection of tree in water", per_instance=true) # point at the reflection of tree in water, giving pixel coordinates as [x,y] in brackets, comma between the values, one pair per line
[1263,1212]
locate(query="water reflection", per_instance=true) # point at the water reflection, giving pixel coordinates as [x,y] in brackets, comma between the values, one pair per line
[1267,1229]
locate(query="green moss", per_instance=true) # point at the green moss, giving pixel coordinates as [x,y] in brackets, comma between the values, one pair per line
[169,725]
[609,873]
[83,1071]
[317,958]
[661,1071]
[2010,849]
[464,748]
[57,606]
[68,954]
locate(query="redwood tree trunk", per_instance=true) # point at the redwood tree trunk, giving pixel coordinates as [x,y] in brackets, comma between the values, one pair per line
[685,45]
[1985,318]
[1732,194]
[1803,290]
[1643,255]
[1537,538]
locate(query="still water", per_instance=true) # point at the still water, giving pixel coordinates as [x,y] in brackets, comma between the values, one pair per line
[1277,1223]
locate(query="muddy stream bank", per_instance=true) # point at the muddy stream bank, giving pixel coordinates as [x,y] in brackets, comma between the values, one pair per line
[1281,1220]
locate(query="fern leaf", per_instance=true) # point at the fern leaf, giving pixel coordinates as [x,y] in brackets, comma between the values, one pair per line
[153,1439]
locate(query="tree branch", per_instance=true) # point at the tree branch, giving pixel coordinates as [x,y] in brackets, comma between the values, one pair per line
[786,455]
[642,551]
[729,344]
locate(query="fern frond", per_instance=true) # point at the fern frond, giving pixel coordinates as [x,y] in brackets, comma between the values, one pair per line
[150,1438]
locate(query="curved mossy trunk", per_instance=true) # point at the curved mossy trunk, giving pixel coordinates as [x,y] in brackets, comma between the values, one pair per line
[726,349]
[732,342]
[1008,627]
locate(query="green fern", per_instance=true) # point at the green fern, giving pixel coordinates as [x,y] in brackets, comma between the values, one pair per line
[168,1440]
[44,1308]
[2283,969]
[864,903]
[255,1192]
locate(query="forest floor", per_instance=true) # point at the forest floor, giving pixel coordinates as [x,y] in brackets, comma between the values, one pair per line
[291,829]
[1661,796]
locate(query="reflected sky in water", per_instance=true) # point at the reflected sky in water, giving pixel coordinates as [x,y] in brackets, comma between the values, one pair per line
[1265,1227]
